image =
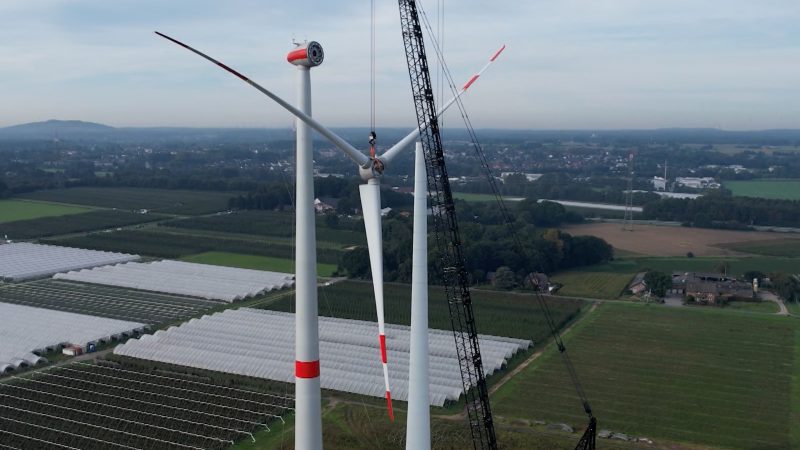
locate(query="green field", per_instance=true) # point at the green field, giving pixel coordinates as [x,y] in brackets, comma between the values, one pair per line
[277,225]
[709,377]
[738,265]
[760,307]
[779,189]
[167,201]
[254,262]
[14,210]
[171,243]
[354,426]
[496,313]
[788,248]
[606,285]
[73,223]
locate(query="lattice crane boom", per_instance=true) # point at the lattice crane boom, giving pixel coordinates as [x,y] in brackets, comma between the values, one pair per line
[446,232]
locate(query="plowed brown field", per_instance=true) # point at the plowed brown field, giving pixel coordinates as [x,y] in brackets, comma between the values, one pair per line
[654,240]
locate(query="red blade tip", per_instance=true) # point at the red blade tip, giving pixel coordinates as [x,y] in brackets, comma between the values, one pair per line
[389,405]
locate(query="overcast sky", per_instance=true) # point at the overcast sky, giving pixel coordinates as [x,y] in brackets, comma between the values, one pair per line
[589,64]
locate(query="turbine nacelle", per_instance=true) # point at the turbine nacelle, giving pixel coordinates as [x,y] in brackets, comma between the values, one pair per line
[306,54]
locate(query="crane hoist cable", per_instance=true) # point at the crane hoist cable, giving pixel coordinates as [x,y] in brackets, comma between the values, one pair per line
[373,136]
[587,441]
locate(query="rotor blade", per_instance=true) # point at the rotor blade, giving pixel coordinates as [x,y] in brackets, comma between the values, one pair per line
[359,158]
[371,209]
[390,154]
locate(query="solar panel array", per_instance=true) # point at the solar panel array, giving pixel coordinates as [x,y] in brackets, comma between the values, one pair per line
[260,343]
[24,261]
[175,277]
[24,330]
[105,301]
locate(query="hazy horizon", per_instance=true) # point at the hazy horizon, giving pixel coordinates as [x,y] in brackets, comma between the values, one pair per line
[606,65]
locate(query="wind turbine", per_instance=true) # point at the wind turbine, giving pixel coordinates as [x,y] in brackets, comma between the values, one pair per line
[308,432]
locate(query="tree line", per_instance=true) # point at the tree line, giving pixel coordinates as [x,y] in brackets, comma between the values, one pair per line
[487,245]
[720,211]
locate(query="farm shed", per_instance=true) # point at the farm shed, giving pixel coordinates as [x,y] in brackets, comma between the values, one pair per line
[24,261]
[260,343]
[26,331]
[196,280]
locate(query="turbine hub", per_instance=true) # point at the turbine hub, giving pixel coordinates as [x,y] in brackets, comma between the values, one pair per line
[374,169]
[306,54]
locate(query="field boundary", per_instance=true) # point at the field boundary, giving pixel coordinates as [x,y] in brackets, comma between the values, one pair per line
[539,352]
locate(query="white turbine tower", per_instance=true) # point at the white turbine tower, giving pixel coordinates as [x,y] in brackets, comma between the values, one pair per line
[308,399]
[308,428]
[418,430]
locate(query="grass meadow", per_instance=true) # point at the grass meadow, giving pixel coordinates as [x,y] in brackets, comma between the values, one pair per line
[603,285]
[778,189]
[14,210]
[786,248]
[256,262]
[711,377]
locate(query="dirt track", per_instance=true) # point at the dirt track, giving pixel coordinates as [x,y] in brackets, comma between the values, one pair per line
[654,240]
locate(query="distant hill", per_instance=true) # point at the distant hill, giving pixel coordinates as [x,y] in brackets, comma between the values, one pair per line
[77,130]
[51,129]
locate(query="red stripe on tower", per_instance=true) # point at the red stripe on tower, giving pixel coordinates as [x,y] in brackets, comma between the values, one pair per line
[306,369]
[294,55]
[383,348]
[469,83]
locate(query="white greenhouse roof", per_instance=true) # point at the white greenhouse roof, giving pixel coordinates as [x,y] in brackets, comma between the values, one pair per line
[25,329]
[175,277]
[260,343]
[24,261]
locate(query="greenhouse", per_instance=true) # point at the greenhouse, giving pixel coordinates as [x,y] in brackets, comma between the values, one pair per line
[27,331]
[196,280]
[260,343]
[24,261]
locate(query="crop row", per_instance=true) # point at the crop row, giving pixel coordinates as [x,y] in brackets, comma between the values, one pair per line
[105,301]
[168,201]
[273,224]
[73,223]
[496,313]
[111,405]
[175,245]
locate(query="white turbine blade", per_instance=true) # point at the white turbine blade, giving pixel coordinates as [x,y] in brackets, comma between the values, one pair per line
[390,154]
[359,158]
[371,210]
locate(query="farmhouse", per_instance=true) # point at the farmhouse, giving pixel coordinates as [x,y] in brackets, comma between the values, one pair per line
[324,205]
[709,288]
[638,285]
[541,281]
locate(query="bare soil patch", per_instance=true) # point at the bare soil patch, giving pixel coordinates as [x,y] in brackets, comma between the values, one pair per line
[655,240]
